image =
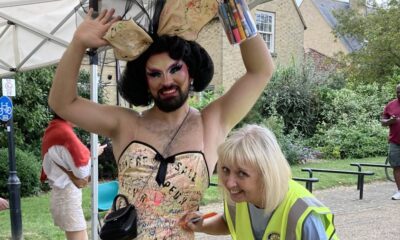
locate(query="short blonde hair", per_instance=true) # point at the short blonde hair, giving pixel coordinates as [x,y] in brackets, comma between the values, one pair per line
[257,146]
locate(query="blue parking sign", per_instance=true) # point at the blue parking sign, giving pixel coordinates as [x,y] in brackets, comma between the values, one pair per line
[5,108]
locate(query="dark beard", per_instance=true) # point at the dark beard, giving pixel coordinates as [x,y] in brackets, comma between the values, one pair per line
[172,104]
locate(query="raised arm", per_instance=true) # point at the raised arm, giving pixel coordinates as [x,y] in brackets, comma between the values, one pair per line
[63,98]
[237,102]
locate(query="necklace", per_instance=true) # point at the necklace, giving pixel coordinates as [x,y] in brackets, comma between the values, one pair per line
[162,169]
[177,131]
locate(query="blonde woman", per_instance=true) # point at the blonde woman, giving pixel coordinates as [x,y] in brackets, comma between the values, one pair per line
[261,200]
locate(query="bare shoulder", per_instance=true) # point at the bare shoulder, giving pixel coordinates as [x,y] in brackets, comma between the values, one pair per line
[121,116]
[125,130]
[120,113]
[128,112]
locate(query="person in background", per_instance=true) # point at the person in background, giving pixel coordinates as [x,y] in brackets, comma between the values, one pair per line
[391,118]
[66,167]
[261,199]
[166,153]
[3,204]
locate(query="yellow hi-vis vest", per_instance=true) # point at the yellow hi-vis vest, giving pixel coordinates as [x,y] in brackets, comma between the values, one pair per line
[287,220]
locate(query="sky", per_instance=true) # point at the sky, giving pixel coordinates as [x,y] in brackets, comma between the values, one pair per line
[298,2]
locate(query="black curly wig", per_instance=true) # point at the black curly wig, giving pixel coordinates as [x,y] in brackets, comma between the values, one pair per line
[133,85]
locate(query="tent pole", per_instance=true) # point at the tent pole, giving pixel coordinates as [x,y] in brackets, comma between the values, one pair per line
[93,55]
[93,147]
[117,77]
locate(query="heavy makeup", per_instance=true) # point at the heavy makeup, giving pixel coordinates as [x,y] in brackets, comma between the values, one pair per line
[168,80]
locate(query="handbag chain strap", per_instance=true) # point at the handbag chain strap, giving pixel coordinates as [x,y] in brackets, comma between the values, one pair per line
[166,147]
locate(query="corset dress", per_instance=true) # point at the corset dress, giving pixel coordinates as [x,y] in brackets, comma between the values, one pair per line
[160,205]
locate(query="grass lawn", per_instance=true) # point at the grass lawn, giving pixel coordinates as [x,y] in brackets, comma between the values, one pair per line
[37,222]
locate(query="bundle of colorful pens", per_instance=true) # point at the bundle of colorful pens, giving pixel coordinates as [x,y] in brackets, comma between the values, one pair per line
[237,20]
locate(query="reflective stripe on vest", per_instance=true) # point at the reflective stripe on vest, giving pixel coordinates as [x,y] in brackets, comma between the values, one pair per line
[299,212]
[287,220]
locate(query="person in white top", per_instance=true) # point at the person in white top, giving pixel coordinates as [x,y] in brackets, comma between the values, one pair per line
[66,167]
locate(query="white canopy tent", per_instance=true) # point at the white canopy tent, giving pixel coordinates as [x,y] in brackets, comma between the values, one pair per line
[35,33]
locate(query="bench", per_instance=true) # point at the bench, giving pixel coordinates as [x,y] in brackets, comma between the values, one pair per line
[309,182]
[360,165]
[360,175]
[213,184]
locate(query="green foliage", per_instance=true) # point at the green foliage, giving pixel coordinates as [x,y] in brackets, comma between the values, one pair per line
[358,139]
[291,144]
[28,168]
[293,94]
[393,80]
[363,103]
[30,111]
[311,112]
[379,31]
[201,100]
[350,125]
[213,193]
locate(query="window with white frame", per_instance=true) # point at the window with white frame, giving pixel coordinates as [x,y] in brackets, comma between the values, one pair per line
[265,22]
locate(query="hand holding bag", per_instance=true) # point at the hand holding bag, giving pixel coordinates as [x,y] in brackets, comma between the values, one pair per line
[120,224]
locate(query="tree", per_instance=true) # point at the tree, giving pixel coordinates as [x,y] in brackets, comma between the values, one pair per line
[31,113]
[379,31]
[293,95]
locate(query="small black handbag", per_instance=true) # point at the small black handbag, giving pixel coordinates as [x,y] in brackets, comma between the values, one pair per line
[120,224]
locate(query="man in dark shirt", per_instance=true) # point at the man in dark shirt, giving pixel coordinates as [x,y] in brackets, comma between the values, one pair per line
[391,117]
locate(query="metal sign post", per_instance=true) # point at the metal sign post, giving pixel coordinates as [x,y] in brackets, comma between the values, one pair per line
[14,185]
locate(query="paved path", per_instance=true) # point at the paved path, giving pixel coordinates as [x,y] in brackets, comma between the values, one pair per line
[376,216]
